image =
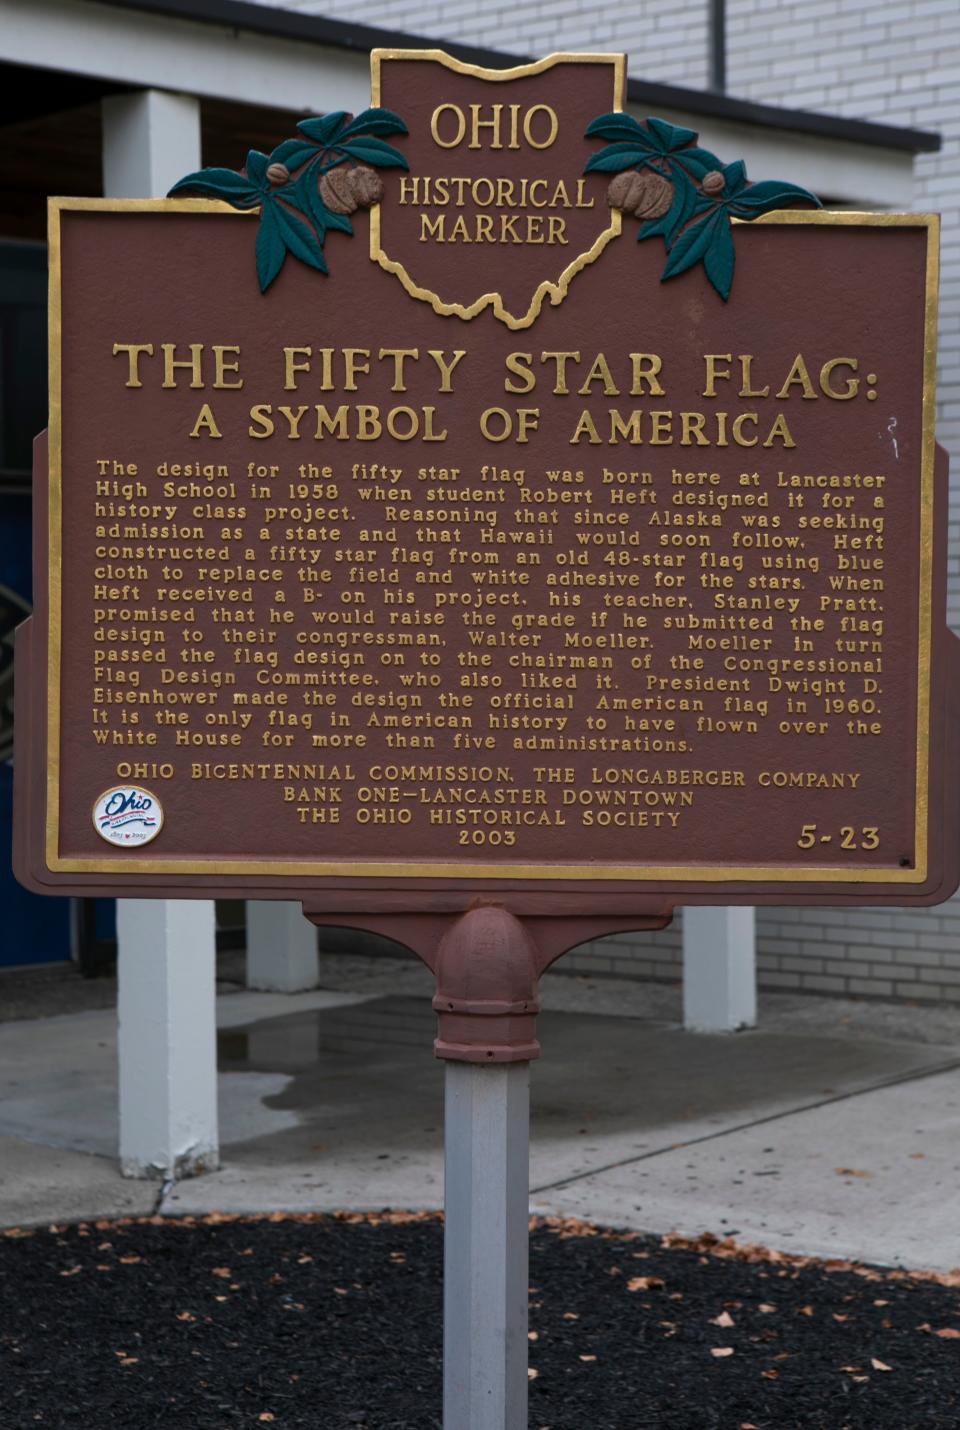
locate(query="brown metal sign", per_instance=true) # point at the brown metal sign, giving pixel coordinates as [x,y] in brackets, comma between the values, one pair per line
[525,558]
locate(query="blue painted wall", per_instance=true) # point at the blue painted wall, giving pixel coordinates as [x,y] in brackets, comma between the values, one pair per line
[32,929]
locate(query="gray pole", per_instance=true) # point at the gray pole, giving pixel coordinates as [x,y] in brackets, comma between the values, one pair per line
[487,1158]
[717,46]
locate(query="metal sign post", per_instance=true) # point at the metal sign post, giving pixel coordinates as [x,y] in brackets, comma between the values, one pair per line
[487,1004]
[485,1250]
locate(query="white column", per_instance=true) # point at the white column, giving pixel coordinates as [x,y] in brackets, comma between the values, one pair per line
[150,140]
[167,1037]
[165,950]
[281,947]
[719,969]
[485,1241]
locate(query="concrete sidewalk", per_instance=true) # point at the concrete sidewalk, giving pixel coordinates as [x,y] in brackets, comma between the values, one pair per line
[832,1129]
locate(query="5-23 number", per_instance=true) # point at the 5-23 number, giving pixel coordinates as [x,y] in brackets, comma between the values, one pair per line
[849,838]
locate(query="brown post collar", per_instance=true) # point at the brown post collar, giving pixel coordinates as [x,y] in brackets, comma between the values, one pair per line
[486,999]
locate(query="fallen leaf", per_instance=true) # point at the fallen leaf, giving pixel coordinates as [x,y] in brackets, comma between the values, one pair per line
[645,1283]
[587,1357]
[266,1415]
[222,1271]
[185,1316]
[881,1303]
[917,1156]
[879,1364]
[851,1172]
[130,1260]
[838,1317]
[73,1271]
[531,1373]
[948,1334]
[129,1360]
[571,1316]
[533,1335]
[770,1374]
[724,1319]
[340,1291]
[805,1311]
[766,1308]
[720,1351]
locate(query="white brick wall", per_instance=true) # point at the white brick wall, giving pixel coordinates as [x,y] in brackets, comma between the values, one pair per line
[895,61]
[666,43]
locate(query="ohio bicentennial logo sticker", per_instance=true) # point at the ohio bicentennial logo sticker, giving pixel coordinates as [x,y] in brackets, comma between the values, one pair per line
[128,816]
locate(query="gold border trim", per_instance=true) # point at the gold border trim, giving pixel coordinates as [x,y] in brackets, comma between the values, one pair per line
[54,525]
[424,869]
[555,290]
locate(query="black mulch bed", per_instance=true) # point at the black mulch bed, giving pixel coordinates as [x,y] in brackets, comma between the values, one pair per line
[333,1323]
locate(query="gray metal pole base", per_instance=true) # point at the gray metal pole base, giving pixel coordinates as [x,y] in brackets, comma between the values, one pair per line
[487,1159]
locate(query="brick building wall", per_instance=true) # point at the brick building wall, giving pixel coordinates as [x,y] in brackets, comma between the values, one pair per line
[894,61]
[673,36]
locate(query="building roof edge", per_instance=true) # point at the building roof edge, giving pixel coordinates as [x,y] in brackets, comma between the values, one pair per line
[348,35]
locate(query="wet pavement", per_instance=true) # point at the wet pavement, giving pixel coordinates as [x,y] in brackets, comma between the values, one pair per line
[829,1131]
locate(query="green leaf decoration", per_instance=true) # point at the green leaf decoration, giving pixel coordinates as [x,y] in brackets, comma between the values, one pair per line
[719,258]
[707,194]
[696,161]
[617,157]
[298,237]
[373,151]
[322,128]
[620,126]
[375,121]
[691,246]
[271,249]
[331,220]
[768,195]
[735,175]
[256,167]
[293,153]
[285,184]
[280,233]
[305,196]
[670,136]
[234,189]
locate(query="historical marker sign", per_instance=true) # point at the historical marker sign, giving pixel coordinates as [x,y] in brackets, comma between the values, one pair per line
[523,555]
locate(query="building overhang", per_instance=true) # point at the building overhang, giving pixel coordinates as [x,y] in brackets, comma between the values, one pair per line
[261,55]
